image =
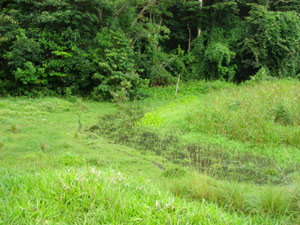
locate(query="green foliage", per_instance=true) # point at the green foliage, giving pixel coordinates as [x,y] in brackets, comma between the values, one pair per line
[30,75]
[154,62]
[55,37]
[262,74]
[273,41]
[221,55]
[247,38]
[116,74]
[92,46]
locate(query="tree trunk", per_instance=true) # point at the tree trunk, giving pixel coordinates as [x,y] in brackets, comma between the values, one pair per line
[177,86]
[121,9]
[190,36]
[160,22]
[100,15]
[201,3]
[141,13]
[199,29]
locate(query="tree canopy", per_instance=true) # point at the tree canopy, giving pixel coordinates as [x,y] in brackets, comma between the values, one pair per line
[110,48]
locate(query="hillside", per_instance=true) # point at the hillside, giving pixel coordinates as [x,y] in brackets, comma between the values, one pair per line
[147,162]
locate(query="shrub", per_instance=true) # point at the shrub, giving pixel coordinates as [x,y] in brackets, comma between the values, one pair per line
[116,73]
[282,115]
[272,41]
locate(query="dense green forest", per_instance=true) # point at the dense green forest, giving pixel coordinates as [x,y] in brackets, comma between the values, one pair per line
[109,49]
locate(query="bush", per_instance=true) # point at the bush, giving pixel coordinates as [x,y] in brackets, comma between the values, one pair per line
[272,41]
[116,72]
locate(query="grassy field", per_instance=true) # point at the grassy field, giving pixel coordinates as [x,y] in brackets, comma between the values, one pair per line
[254,127]
[159,160]
[92,196]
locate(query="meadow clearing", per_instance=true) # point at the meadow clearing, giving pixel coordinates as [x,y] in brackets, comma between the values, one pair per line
[219,153]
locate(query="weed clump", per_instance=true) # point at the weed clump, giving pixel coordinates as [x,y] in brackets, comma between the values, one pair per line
[43,146]
[81,105]
[237,197]
[174,172]
[15,128]
[282,115]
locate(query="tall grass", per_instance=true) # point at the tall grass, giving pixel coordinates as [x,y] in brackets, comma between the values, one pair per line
[254,127]
[91,196]
[277,201]
[265,113]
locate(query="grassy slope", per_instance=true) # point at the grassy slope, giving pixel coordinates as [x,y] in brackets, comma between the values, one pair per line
[166,130]
[92,196]
[41,136]
[254,121]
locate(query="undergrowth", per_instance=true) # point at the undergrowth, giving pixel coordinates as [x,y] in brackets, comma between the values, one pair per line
[91,196]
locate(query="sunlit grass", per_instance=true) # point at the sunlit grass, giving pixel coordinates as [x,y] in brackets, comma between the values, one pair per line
[266,113]
[44,155]
[92,196]
[256,120]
